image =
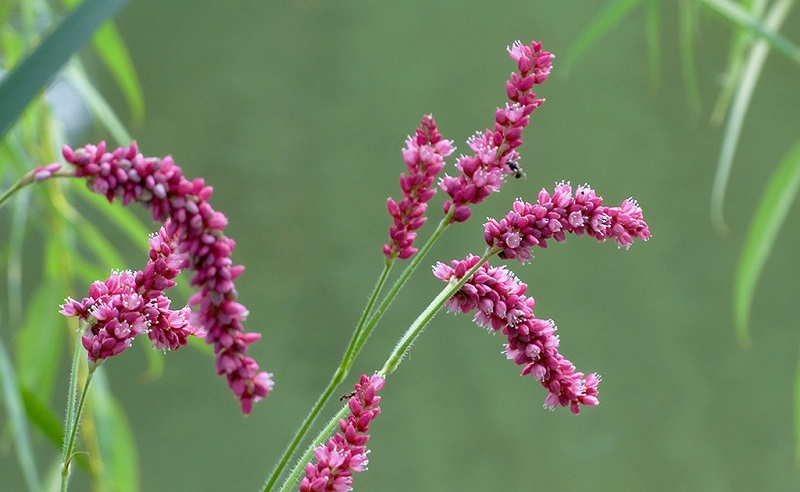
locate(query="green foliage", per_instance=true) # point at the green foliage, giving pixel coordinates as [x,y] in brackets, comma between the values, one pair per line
[761,236]
[12,398]
[21,86]
[757,31]
[47,226]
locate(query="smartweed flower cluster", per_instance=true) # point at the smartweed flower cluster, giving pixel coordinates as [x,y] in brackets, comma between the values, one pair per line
[129,304]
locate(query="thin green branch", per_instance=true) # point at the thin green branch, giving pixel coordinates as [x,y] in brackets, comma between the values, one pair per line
[22,85]
[733,128]
[74,412]
[338,377]
[27,179]
[412,266]
[12,397]
[399,351]
[738,15]
[365,326]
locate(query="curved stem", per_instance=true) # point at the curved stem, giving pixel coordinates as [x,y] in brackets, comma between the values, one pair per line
[14,188]
[353,348]
[294,477]
[73,422]
[338,377]
[426,315]
[27,179]
[373,320]
[392,362]
[365,326]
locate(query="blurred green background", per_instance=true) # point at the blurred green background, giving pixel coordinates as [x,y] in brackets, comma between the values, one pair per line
[296,113]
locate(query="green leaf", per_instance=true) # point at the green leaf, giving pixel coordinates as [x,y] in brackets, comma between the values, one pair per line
[97,103]
[115,438]
[39,341]
[99,245]
[43,418]
[766,224]
[742,38]
[88,272]
[22,85]
[109,45]
[733,128]
[11,41]
[16,244]
[18,424]
[121,217]
[5,12]
[608,18]
[739,16]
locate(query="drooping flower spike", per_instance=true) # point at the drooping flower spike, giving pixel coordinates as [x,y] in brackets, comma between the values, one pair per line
[494,150]
[500,304]
[159,185]
[424,155]
[528,225]
[346,453]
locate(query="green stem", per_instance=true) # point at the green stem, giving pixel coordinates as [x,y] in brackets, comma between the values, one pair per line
[391,363]
[353,348]
[427,314]
[412,266]
[16,187]
[27,179]
[338,377]
[294,477]
[365,326]
[73,422]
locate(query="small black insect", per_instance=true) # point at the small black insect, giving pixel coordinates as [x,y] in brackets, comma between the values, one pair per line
[518,172]
[347,396]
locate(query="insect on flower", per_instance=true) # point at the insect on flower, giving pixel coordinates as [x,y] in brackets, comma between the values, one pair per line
[518,172]
[347,396]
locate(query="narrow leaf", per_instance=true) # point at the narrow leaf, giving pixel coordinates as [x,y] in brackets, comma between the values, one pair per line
[733,128]
[99,245]
[40,415]
[742,38]
[736,14]
[767,221]
[121,217]
[18,423]
[22,85]
[39,340]
[109,45]
[97,103]
[16,243]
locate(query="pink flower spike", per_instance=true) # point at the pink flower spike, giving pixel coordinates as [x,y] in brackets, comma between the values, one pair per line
[495,150]
[500,303]
[159,185]
[528,225]
[345,453]
[424,155]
